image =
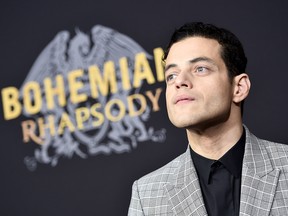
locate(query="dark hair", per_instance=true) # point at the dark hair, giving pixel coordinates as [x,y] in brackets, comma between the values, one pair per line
[232,51]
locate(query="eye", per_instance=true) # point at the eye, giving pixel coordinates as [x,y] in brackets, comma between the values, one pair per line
[201,69]
[170,77]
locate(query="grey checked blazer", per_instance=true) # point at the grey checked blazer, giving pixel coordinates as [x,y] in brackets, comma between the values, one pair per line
[174,189]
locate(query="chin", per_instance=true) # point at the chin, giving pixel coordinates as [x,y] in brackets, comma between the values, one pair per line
[181,124]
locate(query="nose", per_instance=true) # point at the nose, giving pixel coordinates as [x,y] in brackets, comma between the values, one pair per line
[183,80]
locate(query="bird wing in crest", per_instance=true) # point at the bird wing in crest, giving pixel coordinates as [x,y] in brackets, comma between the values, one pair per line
[51,61]
[110,45]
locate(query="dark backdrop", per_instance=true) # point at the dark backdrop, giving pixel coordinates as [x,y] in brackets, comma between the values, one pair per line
[101,185]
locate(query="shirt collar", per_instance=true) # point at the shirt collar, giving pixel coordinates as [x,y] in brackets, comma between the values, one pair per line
[231,160]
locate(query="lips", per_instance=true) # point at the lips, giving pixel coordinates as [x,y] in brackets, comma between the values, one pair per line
[183,99]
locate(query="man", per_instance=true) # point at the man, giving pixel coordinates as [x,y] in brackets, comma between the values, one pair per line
[226,170]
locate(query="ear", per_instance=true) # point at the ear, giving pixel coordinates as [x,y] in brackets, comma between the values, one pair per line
[241,87]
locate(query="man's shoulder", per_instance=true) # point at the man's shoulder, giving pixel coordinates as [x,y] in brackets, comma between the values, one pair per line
[164,174]
[278,151]
[274,146]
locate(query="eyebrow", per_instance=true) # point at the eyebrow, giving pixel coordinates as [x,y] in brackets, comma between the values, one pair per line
[170,66]
[202,59]
[192,61]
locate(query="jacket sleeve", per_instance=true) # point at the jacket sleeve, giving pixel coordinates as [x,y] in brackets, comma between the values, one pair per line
[135,208]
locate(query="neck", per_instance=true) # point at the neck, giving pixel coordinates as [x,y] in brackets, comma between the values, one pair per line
[214,142]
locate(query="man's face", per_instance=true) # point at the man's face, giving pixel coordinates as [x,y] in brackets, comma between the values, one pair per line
[199,93]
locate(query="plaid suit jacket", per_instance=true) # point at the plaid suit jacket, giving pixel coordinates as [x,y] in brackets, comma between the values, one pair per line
[174,189]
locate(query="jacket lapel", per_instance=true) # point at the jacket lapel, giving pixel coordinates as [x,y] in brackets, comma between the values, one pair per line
[184,191]
[259,178]
[258,184]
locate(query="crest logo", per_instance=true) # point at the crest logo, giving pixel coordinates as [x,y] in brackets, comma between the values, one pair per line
[83,97]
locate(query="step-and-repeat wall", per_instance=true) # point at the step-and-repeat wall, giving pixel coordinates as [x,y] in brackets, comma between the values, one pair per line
[83,95]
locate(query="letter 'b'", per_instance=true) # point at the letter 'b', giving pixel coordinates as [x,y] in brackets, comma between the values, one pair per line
[11,104]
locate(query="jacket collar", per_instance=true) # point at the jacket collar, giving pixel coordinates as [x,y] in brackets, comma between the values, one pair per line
[258,184]
[184,193]
[259,178]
